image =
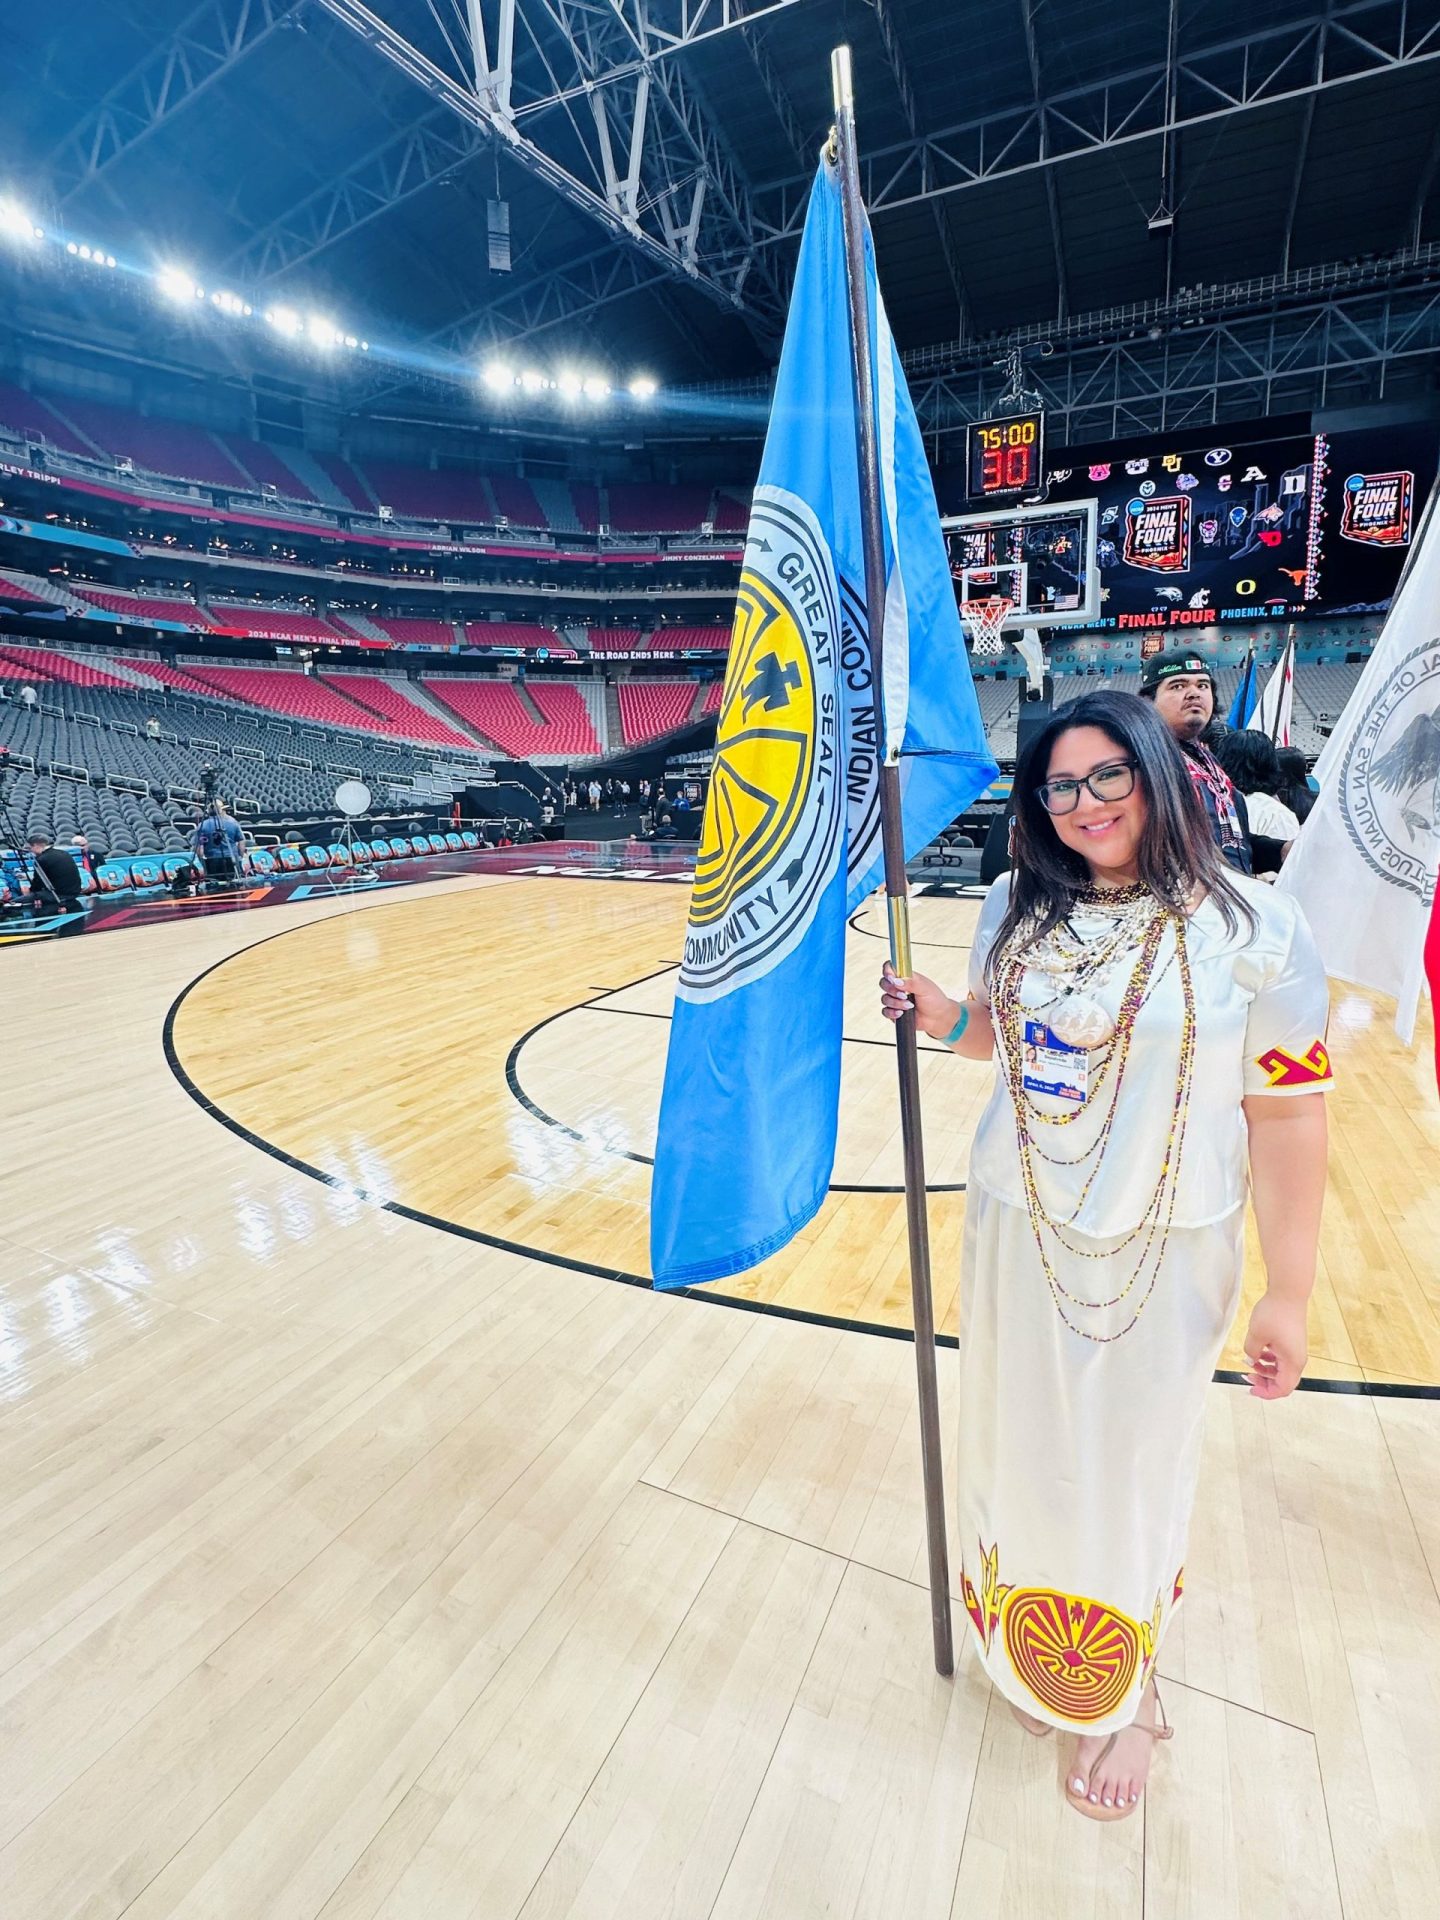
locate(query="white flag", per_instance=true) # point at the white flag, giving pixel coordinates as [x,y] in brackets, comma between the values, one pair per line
[1363,868]
[1272,712]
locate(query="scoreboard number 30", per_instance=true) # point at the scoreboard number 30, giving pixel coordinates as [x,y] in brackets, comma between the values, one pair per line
[1005,456]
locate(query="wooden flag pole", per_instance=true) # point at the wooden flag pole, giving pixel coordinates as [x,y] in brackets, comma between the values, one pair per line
[892,839]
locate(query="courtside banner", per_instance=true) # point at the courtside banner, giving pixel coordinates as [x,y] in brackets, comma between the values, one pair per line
[791,837]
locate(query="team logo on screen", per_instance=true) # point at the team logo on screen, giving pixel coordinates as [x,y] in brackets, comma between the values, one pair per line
[1390,776]
[772,829]
[1376,510]
[1157,534]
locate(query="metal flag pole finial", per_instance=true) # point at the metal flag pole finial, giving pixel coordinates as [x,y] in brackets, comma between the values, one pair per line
[893,841]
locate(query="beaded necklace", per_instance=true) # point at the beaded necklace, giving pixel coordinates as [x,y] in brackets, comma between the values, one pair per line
[1153,1229]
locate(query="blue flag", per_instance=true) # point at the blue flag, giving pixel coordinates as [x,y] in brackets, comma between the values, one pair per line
[1247,696]
[791,837]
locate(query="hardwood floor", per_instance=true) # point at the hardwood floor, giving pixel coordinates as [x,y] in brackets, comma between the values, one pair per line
[355,1568]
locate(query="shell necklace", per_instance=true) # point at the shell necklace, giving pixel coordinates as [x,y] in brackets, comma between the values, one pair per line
[1074,966]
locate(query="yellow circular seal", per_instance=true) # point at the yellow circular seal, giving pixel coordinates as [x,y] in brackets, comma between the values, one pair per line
[773,815]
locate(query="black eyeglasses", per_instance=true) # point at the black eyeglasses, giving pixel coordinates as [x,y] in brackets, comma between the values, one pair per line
[1105,783]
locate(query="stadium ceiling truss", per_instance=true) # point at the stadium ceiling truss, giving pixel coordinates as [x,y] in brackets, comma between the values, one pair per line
[593,99]
[1320,337]
[1357,40]
[589,97]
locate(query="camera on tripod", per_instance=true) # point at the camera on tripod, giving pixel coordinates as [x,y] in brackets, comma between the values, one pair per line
[209,784]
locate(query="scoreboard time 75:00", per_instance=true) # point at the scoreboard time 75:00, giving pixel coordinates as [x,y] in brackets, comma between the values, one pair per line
[1005,457]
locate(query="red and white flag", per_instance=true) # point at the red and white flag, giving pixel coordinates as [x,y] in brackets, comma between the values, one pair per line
[1275,706]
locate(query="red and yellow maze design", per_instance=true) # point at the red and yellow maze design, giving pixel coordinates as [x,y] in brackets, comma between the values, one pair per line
[1077,1657]
[1282,1069]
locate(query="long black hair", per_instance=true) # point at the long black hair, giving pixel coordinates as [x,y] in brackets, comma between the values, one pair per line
[1176,853]
[1251,761]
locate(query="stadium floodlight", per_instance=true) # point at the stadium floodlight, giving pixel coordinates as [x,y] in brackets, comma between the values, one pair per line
[285,320]
[84,252]
[497,376]
[642,387]
[70,247]
[322,331]
[531,380]
[596,388]
[110,261]
[177,285]
[16,224]
[569,384]
[228,302]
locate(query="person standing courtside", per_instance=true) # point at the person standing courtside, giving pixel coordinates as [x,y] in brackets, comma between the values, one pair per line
[55,885]
[1182,686]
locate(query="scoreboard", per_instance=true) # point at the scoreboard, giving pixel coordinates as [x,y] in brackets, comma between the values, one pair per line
[1005,457]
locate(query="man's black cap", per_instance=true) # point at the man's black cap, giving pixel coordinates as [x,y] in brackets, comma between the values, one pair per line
[1164,666]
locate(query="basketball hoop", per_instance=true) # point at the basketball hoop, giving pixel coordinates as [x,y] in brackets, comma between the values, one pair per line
[985,617]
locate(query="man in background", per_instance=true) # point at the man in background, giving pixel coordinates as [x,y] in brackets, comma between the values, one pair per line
[219,839]
[55,884]
[1182,685]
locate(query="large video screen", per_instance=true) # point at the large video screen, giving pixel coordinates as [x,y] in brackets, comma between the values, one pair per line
[1264,529]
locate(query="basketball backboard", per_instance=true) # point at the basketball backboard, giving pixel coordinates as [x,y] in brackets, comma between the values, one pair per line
[1041,559]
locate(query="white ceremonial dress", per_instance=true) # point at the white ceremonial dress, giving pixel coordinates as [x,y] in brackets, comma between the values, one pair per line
[1079,1449]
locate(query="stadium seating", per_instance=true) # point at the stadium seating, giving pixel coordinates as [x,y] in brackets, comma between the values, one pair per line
[649,708]
[511,633]
[18,592]
[405,630]
[495,709]
[714,694]
[297,694]
[272,622]
[731,512]
[30,418]
[615,639]
[144,606]
[267,467]
[165,447]
[587,506]
[416,494]
[652,509]
[49,663]
[516,501]
[346,482]
[395,712]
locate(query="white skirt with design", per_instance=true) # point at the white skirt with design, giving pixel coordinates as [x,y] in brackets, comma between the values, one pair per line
[1079,1458]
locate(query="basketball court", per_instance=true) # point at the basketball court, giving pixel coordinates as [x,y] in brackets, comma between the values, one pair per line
[467,468]
[379,1544]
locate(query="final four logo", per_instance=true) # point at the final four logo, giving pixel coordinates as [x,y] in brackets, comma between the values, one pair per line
[775,815]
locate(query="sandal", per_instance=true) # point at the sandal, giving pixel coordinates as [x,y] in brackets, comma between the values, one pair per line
[1037,1729]
[1080,1802]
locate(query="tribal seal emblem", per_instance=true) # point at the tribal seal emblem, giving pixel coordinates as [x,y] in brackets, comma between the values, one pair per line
[1390,775]
[775,815]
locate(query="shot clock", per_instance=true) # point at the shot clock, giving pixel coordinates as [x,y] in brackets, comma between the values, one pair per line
[1005,458]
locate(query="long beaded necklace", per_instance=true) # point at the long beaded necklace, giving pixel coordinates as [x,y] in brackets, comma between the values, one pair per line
[1153,1229]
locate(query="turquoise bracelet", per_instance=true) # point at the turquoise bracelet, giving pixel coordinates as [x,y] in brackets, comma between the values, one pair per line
[958,1029]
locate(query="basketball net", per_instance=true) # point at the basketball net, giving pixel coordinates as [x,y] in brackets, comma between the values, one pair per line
[985,618]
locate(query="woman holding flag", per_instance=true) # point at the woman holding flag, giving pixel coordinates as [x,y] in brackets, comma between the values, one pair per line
[1144,1005]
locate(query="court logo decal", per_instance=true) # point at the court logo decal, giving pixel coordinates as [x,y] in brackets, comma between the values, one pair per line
[774,818]
[1390,775]
[1309,1069]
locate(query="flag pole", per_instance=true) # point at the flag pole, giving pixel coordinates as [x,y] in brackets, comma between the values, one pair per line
[893,842]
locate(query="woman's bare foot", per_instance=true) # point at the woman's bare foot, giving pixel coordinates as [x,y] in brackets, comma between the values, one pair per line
[1110,1770]
[1030,1723]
